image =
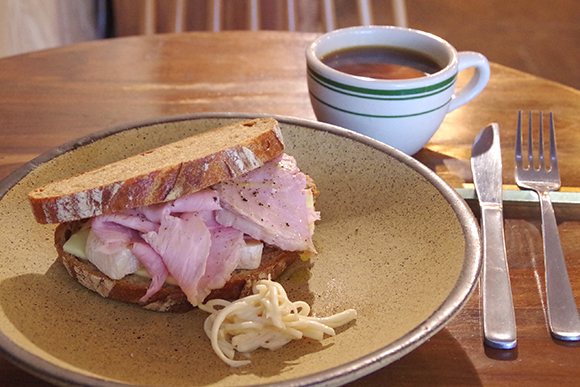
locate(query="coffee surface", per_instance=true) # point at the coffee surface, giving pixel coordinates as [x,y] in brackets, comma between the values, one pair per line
[382,62]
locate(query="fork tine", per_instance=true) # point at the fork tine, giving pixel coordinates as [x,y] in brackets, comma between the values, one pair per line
[542,160]
[530,143]
[553,155]
[518,151]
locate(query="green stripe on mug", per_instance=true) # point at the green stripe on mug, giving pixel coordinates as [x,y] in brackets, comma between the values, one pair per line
[380,98]
[344,88]
[378,116]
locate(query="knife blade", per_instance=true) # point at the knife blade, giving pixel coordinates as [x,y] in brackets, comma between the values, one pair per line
[499,327]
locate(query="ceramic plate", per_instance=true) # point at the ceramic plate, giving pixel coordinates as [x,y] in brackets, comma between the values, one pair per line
[395,243]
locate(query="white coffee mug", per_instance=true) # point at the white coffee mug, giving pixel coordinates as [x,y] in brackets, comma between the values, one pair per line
[403,113]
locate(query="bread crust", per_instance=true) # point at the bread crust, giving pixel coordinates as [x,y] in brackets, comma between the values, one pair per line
[199,162]
[170,298]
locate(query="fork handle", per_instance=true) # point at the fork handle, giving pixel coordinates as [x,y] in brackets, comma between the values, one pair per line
[563,317]
[499,325]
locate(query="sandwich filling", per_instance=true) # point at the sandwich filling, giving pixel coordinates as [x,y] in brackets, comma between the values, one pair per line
[200,239]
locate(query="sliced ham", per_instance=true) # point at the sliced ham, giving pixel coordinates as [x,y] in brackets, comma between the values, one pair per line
[154,265]
[184,245]
[112,257]
[205,200]
[224,257]
[199,239]
[129,219]
[270,204]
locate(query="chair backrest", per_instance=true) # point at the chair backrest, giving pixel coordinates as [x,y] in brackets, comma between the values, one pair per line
[292,15]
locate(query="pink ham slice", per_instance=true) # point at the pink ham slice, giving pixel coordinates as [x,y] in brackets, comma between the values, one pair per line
[184,245]
[269,204]
[114,236]
[114,257]
[167,244]
[197,239]
[224,257]
[154,265]
[205,200]
[199,258]
[104,224]
[108,244]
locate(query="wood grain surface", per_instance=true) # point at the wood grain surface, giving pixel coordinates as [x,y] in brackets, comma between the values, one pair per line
[50,97]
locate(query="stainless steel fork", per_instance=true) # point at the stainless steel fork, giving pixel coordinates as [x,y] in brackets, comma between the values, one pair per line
[563,317]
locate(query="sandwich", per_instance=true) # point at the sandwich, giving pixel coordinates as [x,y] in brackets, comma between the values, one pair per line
[201,218]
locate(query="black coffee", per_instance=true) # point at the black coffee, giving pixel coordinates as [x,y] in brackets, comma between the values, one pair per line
[382,62]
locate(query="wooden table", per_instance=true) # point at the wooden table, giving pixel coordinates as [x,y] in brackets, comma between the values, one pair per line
[50,97]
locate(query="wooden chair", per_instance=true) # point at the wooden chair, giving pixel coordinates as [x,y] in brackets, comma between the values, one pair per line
[152,16]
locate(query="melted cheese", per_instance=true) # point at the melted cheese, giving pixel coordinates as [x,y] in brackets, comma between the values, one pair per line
[76,243]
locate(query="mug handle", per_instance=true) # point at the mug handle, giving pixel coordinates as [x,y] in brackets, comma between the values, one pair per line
[477,83]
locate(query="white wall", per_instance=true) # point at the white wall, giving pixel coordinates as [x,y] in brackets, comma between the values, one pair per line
[28,25]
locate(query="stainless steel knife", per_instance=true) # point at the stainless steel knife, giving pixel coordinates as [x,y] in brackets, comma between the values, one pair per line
[499,326]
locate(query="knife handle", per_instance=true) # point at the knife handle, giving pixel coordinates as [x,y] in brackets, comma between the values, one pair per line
[499,323]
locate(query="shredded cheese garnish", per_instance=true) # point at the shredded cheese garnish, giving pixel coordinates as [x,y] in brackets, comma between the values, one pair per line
[265,319]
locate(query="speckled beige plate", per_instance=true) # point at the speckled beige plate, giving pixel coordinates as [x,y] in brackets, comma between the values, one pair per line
[396,244]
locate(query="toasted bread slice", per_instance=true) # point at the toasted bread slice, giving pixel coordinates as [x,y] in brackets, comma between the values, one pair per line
[161,174]
[170,298]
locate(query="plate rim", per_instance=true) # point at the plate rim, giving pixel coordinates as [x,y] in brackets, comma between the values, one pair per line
[457,298]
